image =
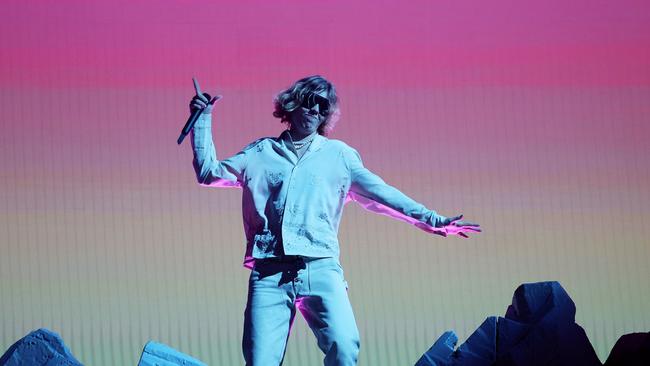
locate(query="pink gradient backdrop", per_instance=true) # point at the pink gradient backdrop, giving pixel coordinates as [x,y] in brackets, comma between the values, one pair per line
[531,118]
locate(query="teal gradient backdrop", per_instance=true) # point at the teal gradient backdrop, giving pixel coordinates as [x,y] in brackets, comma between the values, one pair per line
[530,118]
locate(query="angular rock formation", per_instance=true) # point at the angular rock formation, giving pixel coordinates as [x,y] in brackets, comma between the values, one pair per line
[630,350]
[539,329]
[541,322]
[41,347]
[481,347]
[440,352]
[158,354]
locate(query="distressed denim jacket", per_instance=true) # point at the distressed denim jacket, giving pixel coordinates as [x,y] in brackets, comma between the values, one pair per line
[293,206]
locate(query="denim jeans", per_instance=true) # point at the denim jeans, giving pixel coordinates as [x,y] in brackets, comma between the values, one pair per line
[316,287]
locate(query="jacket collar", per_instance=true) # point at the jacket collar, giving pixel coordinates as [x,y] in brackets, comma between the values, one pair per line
[316,144]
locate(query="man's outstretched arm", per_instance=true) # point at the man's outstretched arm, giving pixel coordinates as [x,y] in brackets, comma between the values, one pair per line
[375,195]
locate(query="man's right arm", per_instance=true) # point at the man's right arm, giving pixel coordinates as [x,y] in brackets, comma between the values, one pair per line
[209,170]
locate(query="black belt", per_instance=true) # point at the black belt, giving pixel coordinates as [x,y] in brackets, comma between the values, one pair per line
[281,259]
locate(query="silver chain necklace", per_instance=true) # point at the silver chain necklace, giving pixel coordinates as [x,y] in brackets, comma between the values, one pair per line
[301,144]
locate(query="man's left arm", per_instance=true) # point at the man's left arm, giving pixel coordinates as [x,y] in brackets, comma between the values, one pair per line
[373,194]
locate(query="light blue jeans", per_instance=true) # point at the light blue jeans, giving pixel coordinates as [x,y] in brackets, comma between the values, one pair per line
[315,286]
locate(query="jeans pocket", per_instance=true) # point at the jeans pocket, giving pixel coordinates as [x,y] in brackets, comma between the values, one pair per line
[338,264]
[255,274]
[340,270]
[250,277]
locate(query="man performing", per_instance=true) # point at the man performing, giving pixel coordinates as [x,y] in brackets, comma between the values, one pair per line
[294,189]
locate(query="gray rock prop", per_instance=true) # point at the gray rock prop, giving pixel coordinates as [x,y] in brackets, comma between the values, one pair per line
[478,349]
[440,352]
[538,329]
[630,350]
[158,354]
[41,347]
[481,347]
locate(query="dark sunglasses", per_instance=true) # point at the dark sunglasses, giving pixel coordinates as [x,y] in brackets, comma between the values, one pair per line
[312,99]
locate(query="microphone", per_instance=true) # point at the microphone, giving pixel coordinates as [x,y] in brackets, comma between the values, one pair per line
[191,121]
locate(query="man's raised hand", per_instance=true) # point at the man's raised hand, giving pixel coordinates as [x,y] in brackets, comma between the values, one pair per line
[202,100]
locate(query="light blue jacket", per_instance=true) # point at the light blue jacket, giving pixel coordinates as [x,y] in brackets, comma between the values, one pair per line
[294,205]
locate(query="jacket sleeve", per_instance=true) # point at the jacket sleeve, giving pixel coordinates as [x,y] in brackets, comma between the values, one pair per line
[375,195]
[209,170]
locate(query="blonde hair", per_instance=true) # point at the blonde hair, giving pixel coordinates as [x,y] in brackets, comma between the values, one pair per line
[290,99]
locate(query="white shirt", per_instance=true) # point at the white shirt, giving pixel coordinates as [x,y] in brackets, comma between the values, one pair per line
[293,205]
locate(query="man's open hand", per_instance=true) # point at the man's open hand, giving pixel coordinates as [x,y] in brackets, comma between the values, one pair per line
[452,226]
